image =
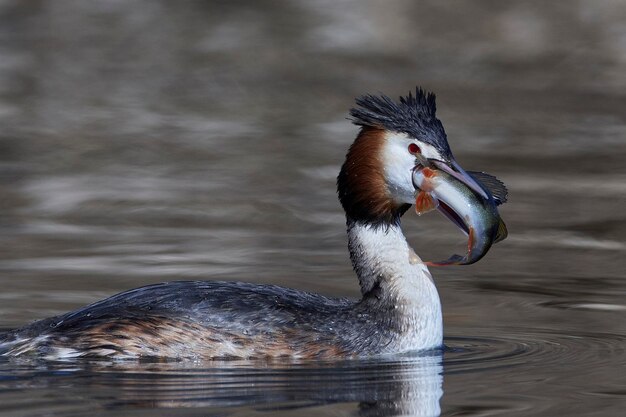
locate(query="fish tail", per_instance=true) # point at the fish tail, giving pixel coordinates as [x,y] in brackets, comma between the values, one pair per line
[502,232]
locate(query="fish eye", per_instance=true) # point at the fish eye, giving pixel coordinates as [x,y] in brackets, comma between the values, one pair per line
[414,149]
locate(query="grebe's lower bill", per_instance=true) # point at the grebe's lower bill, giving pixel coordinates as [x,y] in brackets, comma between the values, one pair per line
[399,310]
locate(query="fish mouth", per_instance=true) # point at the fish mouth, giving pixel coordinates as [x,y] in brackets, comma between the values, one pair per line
[453,216]
[470,257]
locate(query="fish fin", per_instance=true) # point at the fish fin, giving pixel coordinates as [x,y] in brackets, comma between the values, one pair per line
[470,241]
[424,203]
[502,232]
[495,186]
[453,260]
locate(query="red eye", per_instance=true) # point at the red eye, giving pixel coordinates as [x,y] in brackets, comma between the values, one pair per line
[414,149]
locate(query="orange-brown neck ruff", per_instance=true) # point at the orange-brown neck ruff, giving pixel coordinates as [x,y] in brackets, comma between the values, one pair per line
[361,184]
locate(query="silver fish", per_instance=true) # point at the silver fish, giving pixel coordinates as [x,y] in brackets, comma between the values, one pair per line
[475,215]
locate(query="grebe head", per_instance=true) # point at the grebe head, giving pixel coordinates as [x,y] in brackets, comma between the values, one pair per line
[374,184]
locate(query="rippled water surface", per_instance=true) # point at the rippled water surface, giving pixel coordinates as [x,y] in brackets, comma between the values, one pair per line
[145,141]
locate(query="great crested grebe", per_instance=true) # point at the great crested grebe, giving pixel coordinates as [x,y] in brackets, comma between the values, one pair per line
[399,310]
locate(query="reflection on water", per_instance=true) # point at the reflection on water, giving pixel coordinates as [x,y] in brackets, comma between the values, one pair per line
[146,141]
[403,386]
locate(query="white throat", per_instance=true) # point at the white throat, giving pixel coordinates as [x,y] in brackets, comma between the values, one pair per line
[383,259]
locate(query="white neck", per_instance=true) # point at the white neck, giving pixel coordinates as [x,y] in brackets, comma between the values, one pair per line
[389,270]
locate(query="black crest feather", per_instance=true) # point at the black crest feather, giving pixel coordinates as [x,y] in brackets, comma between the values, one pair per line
[413,115]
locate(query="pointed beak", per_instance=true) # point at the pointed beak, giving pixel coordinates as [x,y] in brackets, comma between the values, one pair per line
[454,169]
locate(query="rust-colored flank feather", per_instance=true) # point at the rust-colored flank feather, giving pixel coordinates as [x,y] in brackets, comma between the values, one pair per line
[164,337]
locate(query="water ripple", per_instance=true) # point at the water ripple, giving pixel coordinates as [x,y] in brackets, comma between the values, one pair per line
[524,347]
